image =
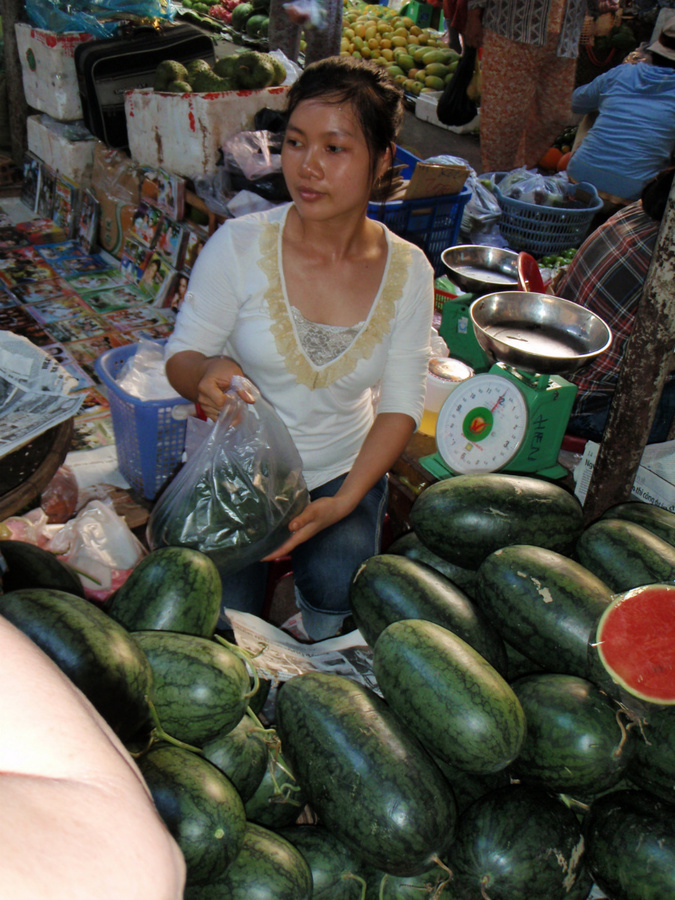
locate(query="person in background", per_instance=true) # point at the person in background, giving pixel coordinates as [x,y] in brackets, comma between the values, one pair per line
[607,276]
[528,65]
[77,818]
[324,309]
[322,24]
[633,136]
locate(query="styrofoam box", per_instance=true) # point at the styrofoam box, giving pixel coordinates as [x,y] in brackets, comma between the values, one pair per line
[425,109]
[184,132]
[48,70]
[72,158]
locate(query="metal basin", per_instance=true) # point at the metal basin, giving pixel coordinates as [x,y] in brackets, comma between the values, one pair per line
[479,269]
[538,332]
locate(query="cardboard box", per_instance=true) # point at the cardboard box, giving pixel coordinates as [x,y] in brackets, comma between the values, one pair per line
[48,70]
[432,180]
[70,154]
[654,481]
[183,133]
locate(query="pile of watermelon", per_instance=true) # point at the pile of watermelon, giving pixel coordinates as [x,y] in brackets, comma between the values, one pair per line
[520,745]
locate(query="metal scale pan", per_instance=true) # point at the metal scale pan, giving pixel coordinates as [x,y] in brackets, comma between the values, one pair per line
[538,333]
[481,270]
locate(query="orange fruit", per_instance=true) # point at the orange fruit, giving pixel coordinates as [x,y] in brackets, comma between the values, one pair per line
[562,162]
[550,159]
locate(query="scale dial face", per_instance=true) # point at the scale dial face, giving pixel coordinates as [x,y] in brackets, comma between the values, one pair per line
[481,425]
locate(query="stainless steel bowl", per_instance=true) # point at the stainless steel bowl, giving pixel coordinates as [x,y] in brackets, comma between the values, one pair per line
[479,269]
[538,332]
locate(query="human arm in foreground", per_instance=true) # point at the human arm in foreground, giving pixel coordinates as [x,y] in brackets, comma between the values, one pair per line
[78,821]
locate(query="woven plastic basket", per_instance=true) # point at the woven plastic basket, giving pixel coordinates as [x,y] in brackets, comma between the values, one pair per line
[149,434]
[541,230]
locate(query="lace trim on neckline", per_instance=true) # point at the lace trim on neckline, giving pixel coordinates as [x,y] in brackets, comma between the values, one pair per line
[376,327]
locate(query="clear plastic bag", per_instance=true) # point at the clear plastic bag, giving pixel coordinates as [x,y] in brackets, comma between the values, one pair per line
[252,161]
[236,494]
[531,186]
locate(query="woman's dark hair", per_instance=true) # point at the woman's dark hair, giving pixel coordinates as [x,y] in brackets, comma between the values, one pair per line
[377,102]
[655,193]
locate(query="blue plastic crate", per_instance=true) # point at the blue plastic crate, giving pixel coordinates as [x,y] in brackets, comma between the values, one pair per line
[149,434]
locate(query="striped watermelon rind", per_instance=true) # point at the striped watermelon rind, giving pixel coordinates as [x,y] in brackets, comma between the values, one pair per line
[635,642]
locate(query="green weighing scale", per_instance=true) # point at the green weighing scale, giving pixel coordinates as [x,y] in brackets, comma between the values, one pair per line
[512,417]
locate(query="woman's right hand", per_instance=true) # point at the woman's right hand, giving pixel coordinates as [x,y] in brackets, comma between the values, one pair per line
[215,383]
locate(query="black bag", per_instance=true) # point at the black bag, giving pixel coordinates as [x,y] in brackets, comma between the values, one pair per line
[107,68]
[454,106]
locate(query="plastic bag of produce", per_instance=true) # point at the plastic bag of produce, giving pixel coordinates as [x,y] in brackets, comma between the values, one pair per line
[454,105]
[236,494]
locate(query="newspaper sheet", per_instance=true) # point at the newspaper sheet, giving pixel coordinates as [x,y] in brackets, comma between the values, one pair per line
[36,392]
[278,656]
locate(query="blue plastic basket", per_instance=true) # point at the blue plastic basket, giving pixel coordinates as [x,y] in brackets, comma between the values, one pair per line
[149,437]
[542,230]
[431,223]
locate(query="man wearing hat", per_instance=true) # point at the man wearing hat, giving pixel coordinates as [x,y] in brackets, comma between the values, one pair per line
[633,136]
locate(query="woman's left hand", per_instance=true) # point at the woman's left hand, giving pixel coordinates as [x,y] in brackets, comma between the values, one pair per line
[314,518]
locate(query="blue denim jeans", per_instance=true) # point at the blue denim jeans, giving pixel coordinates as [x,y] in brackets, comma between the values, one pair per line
[323,566]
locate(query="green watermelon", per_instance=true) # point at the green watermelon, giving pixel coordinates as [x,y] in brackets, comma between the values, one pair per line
[659,521]
[95,652]
[449,696]
[465,518]
[387,588]
[653,765]
[336,870]
[411,546]
[577,742]
[518,842]
[631,846]
[240,753]
[171,589]
[200,807]
[268,867]
[625,555]
[30,566]
[367,777]
[543,604]
[200,687]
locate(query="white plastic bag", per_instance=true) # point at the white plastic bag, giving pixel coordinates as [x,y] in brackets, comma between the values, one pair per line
[100,546]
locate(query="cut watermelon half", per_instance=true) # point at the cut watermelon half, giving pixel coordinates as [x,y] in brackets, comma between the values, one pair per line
[636,642]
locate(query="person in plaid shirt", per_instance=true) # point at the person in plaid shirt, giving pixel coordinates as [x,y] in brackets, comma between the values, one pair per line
[607,276]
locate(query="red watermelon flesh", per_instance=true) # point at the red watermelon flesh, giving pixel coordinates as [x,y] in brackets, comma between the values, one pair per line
[636,642]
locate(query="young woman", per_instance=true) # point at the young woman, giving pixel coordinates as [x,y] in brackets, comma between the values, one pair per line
[323,309]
